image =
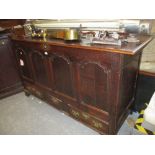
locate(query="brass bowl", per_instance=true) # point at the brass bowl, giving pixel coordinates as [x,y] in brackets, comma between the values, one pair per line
[71,34]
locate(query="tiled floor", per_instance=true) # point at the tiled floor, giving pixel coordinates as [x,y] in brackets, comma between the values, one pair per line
[28,115]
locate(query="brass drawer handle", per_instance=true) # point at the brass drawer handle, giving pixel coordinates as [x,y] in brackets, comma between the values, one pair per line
[97,124]
[75,113]
[85,116]
[55,100]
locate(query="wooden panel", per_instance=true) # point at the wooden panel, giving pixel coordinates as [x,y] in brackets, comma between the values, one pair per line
[128,83]
[8,72]
[94,85]
[63,76]
[10,82]
[39,68]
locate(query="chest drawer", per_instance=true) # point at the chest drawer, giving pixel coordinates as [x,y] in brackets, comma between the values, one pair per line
[92,121]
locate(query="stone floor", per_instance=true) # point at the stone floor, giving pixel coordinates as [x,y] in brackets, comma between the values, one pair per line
[21,115]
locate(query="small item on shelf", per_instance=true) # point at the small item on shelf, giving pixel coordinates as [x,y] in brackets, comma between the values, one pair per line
[2,29]
[39,33]
[108,41]
[104,37]
[132,38]
[18,30]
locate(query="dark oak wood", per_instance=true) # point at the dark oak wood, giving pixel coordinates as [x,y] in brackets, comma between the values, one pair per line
[126,48]
[93,84]
[9,23]
[10,82]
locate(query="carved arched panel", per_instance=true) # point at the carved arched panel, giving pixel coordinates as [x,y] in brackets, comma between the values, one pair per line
[94,85]
[38,61]
[62,74]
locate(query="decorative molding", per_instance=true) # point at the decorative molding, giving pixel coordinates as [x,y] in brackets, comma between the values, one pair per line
[106,70]
[54,55]
[104,67]
[37,53]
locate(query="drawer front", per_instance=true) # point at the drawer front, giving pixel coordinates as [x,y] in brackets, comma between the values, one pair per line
[93,122]
[34,90]
[54,101]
